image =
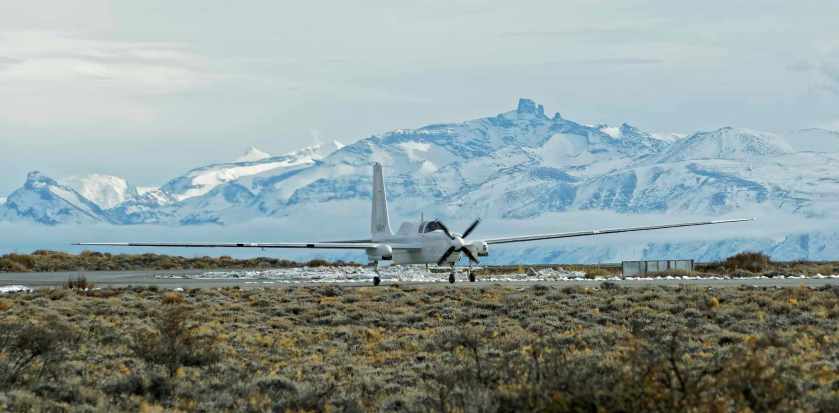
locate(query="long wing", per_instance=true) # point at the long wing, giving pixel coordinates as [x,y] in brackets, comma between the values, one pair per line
[321,245]
[538,237]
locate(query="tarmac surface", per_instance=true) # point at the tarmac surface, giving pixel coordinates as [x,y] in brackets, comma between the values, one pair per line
[289,278]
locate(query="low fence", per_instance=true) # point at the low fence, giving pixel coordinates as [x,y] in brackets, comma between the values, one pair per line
[640,268]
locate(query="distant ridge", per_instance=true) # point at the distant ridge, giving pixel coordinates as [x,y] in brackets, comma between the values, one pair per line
[520,164]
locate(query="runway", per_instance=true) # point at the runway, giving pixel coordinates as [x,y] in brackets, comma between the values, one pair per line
[359,278]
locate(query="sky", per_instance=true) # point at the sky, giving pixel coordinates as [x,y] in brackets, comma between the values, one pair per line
[147,90]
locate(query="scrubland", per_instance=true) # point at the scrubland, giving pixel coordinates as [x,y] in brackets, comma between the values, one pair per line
[53,261]
[746,264]
[418,349]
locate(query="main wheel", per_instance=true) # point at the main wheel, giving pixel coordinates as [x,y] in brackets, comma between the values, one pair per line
[471,277]
[377,280]
[451,278]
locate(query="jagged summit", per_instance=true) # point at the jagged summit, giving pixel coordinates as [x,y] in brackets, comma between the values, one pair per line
[252,154]
[36,179]
[529,106]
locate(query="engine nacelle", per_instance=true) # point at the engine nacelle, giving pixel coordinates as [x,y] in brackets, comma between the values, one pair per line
[382,252]
[480,249]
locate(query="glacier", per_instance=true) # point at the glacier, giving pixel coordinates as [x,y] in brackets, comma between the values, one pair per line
[518,169]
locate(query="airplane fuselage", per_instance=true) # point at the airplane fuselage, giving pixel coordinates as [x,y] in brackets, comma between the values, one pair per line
[428,246]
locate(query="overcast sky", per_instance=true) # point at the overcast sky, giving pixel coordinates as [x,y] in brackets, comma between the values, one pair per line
[147,89]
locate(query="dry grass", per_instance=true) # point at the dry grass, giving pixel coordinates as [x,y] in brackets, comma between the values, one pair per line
[172,298]
[500,348]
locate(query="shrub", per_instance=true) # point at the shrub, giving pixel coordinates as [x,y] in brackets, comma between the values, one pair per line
[25,346]
[749,261]
[78,283]
[172,298]
[174,343]
[316,263]
[592,273]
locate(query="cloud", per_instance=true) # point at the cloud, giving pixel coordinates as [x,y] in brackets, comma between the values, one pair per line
[598,33]
[621,61]
[8,61]
[800,66]
[822,70]
[53,75]
[830,71]
[136,66]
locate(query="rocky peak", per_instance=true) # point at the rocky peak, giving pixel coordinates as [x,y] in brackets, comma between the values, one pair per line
[36,179]
[529,106]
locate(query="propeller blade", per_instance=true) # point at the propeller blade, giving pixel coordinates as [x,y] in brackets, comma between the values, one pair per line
[469,254]
[445,229]
[471,228]
[445,256]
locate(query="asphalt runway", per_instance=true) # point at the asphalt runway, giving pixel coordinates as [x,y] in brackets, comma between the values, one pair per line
[181,279]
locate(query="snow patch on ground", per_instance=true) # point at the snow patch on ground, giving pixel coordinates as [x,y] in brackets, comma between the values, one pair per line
[9,289]
[419,274]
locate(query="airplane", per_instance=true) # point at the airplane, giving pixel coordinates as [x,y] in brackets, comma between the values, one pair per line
[423,242]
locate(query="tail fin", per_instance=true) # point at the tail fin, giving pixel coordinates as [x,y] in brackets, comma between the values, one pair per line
[380,223]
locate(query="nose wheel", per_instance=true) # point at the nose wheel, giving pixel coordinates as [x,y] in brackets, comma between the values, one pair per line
[377,279]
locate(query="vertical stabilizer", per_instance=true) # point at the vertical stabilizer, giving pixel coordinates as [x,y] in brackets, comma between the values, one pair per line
[380,223]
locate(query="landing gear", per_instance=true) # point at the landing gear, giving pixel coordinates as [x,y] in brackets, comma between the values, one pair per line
[471,276]
[376,279]
[451,277]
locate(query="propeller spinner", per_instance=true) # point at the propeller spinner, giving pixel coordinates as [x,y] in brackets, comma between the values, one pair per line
[458,243]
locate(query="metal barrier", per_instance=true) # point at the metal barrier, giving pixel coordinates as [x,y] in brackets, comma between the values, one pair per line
[639,268]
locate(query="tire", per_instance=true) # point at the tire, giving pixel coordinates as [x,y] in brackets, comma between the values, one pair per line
[377,280]
[471,277]
[451,278]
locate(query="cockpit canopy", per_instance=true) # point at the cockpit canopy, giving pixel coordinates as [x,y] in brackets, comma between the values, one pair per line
[431,226]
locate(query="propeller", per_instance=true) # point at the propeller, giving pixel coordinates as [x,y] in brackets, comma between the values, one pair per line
[458,245]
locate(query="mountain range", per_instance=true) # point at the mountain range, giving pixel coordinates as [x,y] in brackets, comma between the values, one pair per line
[517,166]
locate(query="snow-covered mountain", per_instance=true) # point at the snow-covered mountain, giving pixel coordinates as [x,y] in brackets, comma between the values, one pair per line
[45,201]
[106,191]
[727,143]
[517,165]
[252,155]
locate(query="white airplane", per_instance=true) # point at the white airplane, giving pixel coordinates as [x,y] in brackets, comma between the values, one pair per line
[424,242]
